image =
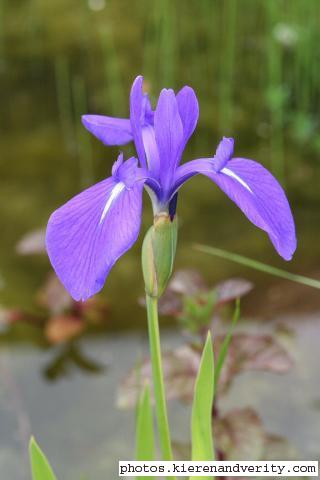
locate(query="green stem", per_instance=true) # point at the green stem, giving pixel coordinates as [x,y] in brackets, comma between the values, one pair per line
[158,384]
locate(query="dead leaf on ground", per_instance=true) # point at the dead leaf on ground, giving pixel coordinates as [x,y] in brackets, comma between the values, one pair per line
[32,242]
[53,296]
[63,328]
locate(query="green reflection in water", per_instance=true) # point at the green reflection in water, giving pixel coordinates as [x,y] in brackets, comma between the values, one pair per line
[254,68]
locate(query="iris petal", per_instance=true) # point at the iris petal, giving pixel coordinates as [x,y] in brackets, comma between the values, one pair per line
[151,149]
[87,235]
[137,105]
[111,131]
[224,153]
[189,112]
[261,198]
[169,134]
[256,192]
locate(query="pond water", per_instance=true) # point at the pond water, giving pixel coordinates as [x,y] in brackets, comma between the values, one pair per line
[255,70]
[78,425]
[66,58]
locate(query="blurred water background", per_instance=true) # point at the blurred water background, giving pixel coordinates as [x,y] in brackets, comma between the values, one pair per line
[255,66]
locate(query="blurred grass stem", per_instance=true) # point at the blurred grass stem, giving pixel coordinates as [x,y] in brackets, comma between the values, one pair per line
[262,267]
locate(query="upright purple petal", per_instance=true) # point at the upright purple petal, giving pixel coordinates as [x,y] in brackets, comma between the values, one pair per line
[189,111]
[256,192]
[111,131]
[169,134]
[87,235]
[151,149]
[148,113]
[224,153]
[137,106]
[189,169]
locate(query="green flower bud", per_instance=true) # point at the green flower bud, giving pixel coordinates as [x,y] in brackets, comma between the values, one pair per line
[158,252]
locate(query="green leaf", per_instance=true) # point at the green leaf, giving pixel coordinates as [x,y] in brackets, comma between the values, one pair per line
[144,429]
[40,466]
[262,267]
[201,423]
[226,342]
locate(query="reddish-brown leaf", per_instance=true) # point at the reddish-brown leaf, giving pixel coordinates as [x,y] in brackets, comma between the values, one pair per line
[232,289]
[251,352]
[241,435]
[179,368]
[53,296]
[63,328]
[32,242]
[187,282]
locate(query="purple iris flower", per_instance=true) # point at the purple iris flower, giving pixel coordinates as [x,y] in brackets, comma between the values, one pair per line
[87,235]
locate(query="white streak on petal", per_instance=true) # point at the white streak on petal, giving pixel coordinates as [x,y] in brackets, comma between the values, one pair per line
[151,149]
[231,174]
[117,189]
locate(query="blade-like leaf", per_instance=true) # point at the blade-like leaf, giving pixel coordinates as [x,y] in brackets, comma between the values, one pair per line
[225,345]
[40,467]
[262,267]
[201,423]
[144,430]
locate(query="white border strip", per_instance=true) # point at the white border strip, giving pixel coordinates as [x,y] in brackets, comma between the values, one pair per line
[219,469]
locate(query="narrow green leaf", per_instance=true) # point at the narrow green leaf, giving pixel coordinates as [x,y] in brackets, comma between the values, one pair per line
[262,267]
[226,342]
[40,466]
[201,422]
[144,430]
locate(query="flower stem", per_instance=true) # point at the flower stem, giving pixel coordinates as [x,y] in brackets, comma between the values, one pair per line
[158,384]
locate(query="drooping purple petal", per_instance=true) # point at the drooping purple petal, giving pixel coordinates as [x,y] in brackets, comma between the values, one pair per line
[111,131]
[256,192]
[137,106]
[189,112]
[87,235]
[169,134]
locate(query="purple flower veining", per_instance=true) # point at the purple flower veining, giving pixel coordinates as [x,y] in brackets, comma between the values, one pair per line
[87,235]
